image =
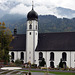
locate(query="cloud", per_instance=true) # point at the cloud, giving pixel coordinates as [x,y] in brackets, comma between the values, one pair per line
[42,7]
[20,9]
[23,10]
[59,3]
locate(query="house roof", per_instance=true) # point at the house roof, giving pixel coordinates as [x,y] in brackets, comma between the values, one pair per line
[64,41]
[18,43]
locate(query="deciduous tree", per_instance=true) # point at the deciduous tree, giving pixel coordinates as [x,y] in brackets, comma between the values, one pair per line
[5,40]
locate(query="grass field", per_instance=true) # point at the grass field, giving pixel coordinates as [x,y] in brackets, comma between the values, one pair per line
[62,73]
[57,73]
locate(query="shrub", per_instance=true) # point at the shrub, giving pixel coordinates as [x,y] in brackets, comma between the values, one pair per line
[42,63]
[44,68]
[34,65]
[18,62]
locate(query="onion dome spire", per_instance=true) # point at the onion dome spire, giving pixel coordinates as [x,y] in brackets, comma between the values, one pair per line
[32,5]
[32,15]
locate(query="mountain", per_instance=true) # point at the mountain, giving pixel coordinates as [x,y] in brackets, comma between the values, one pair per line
[65,12]
[47,24]
[11,18]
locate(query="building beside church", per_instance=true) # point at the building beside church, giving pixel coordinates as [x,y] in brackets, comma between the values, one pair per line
[34,46]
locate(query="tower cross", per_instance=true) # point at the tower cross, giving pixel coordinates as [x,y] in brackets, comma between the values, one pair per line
[32,4]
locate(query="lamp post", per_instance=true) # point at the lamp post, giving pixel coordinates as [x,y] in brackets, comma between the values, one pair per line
[29,67]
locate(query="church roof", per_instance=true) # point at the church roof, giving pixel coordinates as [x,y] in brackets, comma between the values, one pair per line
[32,15]
[64,41]
[18,43]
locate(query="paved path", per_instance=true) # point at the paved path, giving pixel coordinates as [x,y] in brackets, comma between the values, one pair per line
[2,72]
[39,73]
[10,72]
[20,72]
[33,73]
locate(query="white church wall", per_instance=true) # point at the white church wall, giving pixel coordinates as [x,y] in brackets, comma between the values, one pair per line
[33,23]
[57,57]
[17,55]
[37,58]
[31,40]
[68,59]
[73,59]
[29,46]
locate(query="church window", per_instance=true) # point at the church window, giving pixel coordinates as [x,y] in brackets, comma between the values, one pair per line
[12,55]
[30,33]
[22,56]
[30,26]
[52,64]
[52,56]
[40,56]
[64,56]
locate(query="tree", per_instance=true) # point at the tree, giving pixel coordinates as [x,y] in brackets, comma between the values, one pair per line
[61,64]
[42,63]
[5,40]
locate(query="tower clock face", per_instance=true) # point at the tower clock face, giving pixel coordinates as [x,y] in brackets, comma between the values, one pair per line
[30,22]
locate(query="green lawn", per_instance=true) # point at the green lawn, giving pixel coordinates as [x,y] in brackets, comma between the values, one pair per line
[57,73]
[62,73]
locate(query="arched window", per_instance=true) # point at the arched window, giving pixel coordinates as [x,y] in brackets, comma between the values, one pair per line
[52,56]
[22,56]
[12,55]
[52,64]
[40,56]
[64,56]
[30,33]
[30,26]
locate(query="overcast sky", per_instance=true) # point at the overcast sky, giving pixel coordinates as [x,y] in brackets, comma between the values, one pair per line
[41,6]
[62,3]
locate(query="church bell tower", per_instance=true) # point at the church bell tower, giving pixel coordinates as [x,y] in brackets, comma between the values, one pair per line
[31,35]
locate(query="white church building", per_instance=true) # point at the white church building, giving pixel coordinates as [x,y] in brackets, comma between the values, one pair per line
[34,46]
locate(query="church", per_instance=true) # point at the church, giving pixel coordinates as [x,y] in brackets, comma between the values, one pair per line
[34,46]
